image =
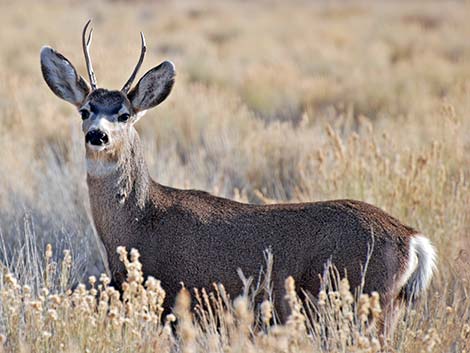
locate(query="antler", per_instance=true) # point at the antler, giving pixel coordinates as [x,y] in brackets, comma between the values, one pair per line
[131,79]
[86,50]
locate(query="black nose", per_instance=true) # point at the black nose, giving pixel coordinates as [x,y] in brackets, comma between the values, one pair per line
[96,137]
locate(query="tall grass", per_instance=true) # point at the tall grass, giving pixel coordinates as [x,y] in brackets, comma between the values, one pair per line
[361,100]
[97,318]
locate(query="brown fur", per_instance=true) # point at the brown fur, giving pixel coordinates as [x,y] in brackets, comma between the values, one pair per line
[193,237]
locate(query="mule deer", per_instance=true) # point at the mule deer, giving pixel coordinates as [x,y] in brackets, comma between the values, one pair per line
[193,237]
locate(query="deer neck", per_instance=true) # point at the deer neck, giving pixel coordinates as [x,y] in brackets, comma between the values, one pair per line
[119,181]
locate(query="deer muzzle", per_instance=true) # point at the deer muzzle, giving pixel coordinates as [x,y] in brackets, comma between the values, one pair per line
[96,138]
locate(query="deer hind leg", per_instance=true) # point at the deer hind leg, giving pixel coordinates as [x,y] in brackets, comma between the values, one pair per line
[387,322]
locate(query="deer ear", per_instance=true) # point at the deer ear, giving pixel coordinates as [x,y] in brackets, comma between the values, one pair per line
[62,78]
[153,87]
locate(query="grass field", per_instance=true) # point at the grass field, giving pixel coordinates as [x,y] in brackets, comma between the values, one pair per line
[274,102]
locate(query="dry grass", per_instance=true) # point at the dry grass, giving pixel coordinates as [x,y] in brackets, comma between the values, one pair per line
[98,319]
[273,102]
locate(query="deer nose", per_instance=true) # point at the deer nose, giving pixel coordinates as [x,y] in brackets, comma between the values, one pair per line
[96,138]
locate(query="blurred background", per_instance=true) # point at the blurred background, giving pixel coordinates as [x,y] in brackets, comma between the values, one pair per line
[274,101]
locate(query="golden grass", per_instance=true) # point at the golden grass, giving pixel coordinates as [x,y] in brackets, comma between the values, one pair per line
[98,319]
[274,102]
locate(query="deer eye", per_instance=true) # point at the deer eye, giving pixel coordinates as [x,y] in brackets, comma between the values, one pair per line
[123,117]
[85,114]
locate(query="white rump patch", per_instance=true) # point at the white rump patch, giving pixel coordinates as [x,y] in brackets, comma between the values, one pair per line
[98,168]
[411,268]
[421,265]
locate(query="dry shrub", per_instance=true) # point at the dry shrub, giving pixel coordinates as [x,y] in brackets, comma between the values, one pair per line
[96,317]
[282,102]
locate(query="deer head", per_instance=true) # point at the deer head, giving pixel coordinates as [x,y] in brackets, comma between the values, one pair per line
[108,115]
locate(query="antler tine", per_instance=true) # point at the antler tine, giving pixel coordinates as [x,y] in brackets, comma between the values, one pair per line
[131,79]
[86,51]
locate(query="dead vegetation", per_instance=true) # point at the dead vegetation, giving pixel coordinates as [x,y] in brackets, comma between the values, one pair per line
[365,100]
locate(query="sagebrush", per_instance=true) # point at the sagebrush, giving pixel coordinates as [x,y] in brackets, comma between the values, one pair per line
[274,102]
